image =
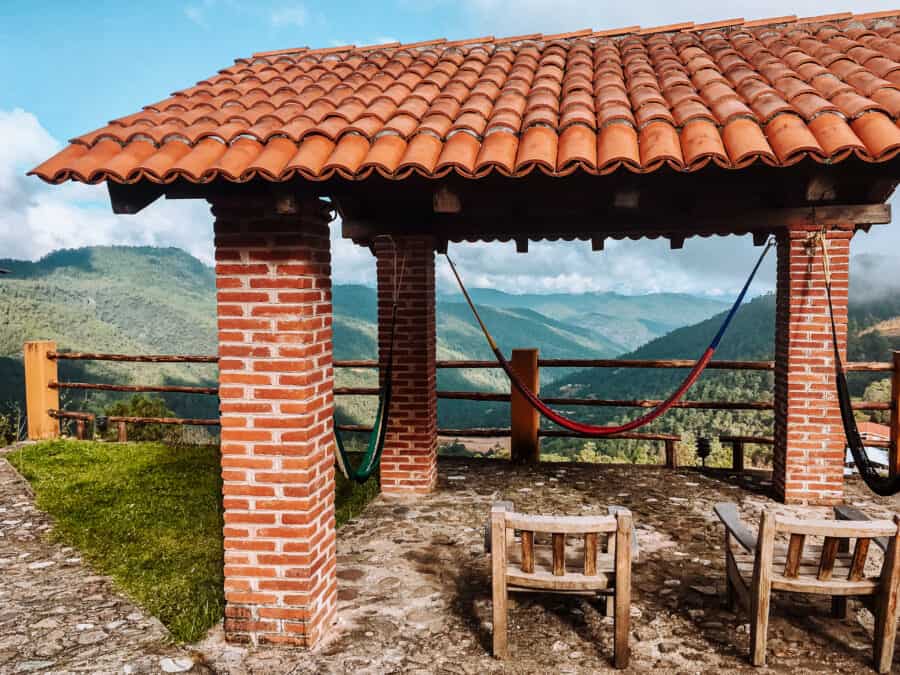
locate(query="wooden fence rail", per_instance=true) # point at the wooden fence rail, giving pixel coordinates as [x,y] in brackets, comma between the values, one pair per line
[43,386]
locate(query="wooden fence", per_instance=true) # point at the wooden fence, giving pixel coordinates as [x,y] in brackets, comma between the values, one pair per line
[44,414]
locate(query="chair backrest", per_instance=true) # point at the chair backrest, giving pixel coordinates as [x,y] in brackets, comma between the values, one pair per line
[594,531]
[829,565]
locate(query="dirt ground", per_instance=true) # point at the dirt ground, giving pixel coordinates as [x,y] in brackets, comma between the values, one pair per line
[414,588]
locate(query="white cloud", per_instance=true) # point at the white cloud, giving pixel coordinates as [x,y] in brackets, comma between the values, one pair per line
[197,12]
[36,219]
[293,16]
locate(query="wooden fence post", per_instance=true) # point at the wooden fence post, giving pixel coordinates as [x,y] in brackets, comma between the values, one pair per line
[123,432]
[671,455]
[524,447]
[40,371]
[894,450]
[737,455]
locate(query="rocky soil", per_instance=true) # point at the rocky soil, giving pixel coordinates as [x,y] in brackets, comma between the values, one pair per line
[414,588]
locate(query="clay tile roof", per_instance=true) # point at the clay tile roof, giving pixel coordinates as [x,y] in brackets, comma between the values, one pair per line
[732,93]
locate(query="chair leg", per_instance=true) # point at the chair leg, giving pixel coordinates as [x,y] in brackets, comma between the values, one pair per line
[759,627]
[730,594]
[500,606]
[621,627]
[839,607]
[609,606]
[885,632]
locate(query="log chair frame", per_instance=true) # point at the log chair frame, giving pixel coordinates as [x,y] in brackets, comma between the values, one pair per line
[609,546]
[832,568]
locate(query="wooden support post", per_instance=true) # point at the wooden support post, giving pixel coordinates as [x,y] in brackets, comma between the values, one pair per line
[524,419]
[123,432]
[894,451]
[79,429]
[671,455]
[40,371]
[737,455]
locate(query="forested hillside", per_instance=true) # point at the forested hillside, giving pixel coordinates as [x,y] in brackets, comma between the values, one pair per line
[144,300]
[151,300]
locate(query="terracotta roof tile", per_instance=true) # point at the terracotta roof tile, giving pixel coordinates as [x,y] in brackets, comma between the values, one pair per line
[732,92]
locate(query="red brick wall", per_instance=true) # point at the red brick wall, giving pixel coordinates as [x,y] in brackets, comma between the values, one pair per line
[409,463]
[275,375]
[809,438]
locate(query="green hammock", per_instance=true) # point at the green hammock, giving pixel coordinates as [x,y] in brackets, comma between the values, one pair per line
[372,456]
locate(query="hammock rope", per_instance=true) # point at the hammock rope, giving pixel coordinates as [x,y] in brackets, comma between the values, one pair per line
[595,431]
[372,456]
[885,486]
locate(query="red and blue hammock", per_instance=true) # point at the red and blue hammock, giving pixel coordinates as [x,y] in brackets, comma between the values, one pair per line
[597,431]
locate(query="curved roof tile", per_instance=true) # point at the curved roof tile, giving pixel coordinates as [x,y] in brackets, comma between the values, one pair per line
[734,93]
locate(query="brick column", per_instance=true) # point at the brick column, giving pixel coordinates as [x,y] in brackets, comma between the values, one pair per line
[275,376]
[809,438]
[409,463]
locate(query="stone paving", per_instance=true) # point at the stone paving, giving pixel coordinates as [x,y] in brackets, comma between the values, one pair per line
[414,588]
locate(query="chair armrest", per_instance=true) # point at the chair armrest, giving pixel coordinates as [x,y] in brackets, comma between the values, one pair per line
[506,506]
[635,548]
[844,512]
[728,514]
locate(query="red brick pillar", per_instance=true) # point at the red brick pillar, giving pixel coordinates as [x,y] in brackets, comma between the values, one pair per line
[275,377]
[409,463]
[809,438]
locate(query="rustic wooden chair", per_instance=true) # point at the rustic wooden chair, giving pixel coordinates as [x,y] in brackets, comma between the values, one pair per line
[758,565]
[583,568]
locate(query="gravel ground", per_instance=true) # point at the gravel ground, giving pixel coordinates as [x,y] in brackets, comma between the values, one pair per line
[414,594]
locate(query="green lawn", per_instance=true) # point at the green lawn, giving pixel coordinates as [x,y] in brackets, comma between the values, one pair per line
[149,516]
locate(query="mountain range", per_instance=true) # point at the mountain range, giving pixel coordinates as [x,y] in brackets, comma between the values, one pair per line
[145,300]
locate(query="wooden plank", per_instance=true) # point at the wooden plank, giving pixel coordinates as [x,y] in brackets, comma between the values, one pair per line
[654,363]
[122,432]
[527,551]
[132,358]
[845,512]
[560,524]
[829,553]
[622,617]
[546,580]
[858,565]
[559,554]
[498,581]
[184,421]
[728,514]
[211,391]
[760,589]
[795,552]
[834,528]
[590,554]
[501,397]
[894,452]
[525,420]
[40,397]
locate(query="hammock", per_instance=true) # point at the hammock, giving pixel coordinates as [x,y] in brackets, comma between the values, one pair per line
[595,431]
[885,486]
[372,456]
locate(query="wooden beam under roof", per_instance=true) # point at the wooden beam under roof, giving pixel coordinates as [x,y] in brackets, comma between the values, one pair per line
[621,224]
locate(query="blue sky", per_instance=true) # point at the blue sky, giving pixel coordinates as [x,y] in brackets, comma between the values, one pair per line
[72,66]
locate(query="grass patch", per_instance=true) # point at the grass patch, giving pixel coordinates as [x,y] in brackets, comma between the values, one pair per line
[149,516]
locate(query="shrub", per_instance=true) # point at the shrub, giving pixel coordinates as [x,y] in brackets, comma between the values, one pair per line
[140,405]
[12,424]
